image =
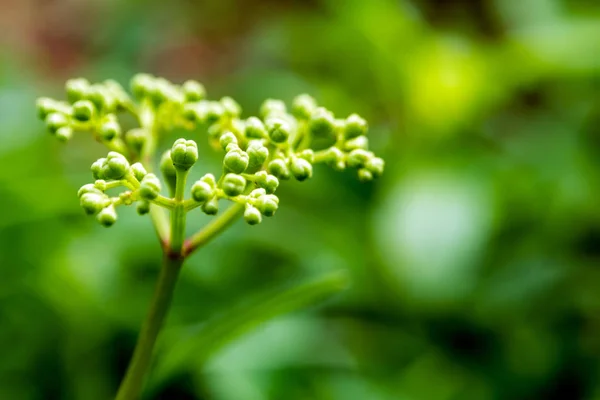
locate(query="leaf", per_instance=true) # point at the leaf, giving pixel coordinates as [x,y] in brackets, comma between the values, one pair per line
[195,345]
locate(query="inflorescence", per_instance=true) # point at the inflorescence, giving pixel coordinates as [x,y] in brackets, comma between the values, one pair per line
[259,152]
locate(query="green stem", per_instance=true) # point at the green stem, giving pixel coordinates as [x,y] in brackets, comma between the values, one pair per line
[131,385]
[211,230]
[178,214]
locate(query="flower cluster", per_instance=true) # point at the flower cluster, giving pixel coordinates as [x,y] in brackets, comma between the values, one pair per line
[259,151]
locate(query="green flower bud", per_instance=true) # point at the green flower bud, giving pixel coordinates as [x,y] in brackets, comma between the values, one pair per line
[375,165]
[257,154]
[116,91]
[138,171]
[355,126]
[256,193]
[193,91]
[308,155]
[115,167]
[252,215]
[92,203]
[96,168]
[55,121]
[202,191]
[64,133]
[142,85]
[100,184]
[364,175]
[98,95]
[150,187]
[322,122]
[267,182]
[184,154]
[227,138]
[211,207]
[136,139]
[108,216]
[267,204]
[358,158]
[89,188]
[279,168]
[279,129]
[210,179]
[83,110]
[303,106]
[125,198]
[231,107]
[359,142]
[110,129]
[255,129]
[168,171]
[46,106]
[77,89]
[233,185]
[214,112]
[142,207]
[301,169]
[236,161]
[272,107]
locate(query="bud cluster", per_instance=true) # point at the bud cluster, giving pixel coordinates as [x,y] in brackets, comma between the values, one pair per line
[259,151]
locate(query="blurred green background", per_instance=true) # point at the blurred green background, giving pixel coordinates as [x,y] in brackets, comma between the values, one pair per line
[474,262]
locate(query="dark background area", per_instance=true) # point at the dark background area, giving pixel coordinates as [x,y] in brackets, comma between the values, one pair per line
[474,261]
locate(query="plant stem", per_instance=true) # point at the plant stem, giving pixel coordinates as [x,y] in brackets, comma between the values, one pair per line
[131,385]
[211,230]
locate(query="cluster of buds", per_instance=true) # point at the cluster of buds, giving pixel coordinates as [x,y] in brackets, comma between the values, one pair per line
[259,151]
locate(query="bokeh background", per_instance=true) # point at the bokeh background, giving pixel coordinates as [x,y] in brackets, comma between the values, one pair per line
[474,263]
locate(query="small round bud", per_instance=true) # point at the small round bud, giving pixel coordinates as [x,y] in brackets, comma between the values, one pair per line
[190,112]
[210,179]
[301,169]
[108,216]
[125,198]
[89,188]
[214,112]
[252,215]
[138,171]
[279,129]
[358,158]
[322,122]
[116,166]
[55,121]
[193,91]
[279,168]
[359,142]
[272,107]
[184,154]
[92,202]
[211,207]
[308,155]
[143,207]
[64,133]
[267,182]
[83,110]
[303,106]
[267,204]
[355,126]
[77,89]
[256,193]
[364,175]
[136,138]
[233,185]
[236,161]
[257,154]
[99,96]
[231,107]
[376,166]
[96,168]
[110,129]
[202,191]
[142,85]
[150,187]
[45,106]
[116,91]
[255,129]
[227,138]
[231,147]
[100,184]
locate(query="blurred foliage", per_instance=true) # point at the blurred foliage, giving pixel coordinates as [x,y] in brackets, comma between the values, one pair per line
[474,263]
